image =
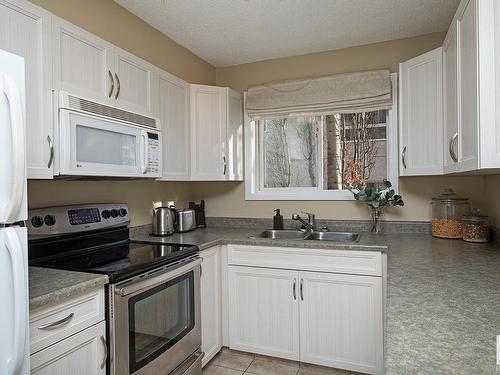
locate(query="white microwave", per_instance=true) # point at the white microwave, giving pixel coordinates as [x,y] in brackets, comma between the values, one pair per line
[98,140]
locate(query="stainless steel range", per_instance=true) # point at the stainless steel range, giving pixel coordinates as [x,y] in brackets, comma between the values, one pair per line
[153,299]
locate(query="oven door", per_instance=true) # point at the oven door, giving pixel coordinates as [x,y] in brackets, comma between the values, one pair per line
[155,323]
[97,146]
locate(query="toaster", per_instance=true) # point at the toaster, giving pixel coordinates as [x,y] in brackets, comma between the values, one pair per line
[184,220]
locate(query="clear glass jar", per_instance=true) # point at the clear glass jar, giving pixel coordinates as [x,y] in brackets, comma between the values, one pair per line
[447,212]
[476,227]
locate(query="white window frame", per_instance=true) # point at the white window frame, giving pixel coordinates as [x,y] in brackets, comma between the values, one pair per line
[253,190]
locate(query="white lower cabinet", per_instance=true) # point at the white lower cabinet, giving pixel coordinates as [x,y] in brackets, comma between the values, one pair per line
[69,337]
[263,311]
[341,321]
[81,354]
[324,318]
[211,325]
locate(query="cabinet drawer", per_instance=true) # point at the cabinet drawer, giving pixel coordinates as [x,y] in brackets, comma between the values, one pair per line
[82,354]
[321,260]
[52,324]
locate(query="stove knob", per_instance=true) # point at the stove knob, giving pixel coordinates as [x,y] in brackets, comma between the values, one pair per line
[50,220]
[123,212]
[37,221]
[114,213]
[105,214]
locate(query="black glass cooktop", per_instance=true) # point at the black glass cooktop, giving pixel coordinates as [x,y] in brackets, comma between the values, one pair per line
[119,259]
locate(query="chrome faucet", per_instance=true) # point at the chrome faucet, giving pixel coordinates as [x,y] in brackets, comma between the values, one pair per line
[310,224]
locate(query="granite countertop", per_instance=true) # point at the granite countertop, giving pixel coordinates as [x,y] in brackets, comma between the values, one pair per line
[208,237]
[48,286]
[443,297]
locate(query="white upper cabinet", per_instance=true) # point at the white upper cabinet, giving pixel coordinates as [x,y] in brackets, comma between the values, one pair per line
[421,114]
[235,136]
[173,111]
[25,31]
[93,68]
[135,82]
[467,141]
[216,133]
[82,62]
[208,132]
[471,91]
[450,100]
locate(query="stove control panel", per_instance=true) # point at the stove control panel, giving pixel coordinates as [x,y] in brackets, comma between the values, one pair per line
[44,222]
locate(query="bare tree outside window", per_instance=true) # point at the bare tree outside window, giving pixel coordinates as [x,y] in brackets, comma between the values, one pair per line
[311,151]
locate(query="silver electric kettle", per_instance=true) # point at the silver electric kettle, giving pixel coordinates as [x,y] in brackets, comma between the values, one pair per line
[163,221]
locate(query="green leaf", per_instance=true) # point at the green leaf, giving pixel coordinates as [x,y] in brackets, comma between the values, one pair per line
[387,183]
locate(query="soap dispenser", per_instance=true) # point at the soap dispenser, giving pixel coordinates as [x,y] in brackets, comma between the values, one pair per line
[277,220]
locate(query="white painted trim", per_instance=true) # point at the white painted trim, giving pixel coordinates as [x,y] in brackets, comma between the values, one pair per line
[252,178]
[392,136]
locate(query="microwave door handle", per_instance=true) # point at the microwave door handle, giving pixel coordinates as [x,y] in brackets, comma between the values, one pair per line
[145,155]
[11,92]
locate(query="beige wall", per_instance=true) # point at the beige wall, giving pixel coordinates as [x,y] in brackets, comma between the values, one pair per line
[229,199]
[115,24]
[492,199]
[138,194]
[368,57]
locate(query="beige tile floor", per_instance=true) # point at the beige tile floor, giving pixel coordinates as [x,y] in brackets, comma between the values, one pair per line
[230,362]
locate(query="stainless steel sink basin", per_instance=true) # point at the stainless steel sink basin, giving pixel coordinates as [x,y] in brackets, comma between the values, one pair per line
[333,236]
[316,236]
[283,234]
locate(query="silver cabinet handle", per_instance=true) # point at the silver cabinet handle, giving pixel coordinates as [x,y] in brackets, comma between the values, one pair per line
[105,345]
[119,86]
[58,323]
[453,140]
[51,149]
[302,289]
[294,288]
[403,157]
[225,165]
[112,84]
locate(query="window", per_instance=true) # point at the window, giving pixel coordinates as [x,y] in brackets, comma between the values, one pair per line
[311,157]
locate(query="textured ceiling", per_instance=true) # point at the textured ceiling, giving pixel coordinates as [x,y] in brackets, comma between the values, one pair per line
[231,32]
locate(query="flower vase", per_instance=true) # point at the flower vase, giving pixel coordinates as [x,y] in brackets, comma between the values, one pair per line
[376,212]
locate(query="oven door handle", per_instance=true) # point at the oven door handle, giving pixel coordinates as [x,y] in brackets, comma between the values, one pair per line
[157,277]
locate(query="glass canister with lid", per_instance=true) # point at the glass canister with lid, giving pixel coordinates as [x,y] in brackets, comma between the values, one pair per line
[476,227]
[447,212]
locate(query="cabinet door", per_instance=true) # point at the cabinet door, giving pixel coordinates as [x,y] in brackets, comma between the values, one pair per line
[211,326]
[135,82]
[263,311]
[341,321]
[450,100]
[81,354]
[25,31]
[467,87]
[421,114]
[82,62]
[208,132]
[173,110]
[234,141]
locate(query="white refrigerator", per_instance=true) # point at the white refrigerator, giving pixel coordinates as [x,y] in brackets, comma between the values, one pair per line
[14,333]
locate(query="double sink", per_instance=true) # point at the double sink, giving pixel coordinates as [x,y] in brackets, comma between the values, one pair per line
[309,236]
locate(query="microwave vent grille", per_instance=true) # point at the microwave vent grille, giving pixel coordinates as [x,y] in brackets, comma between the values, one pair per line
[104,110]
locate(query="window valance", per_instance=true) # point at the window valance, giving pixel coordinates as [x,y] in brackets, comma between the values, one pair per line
[347,93]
